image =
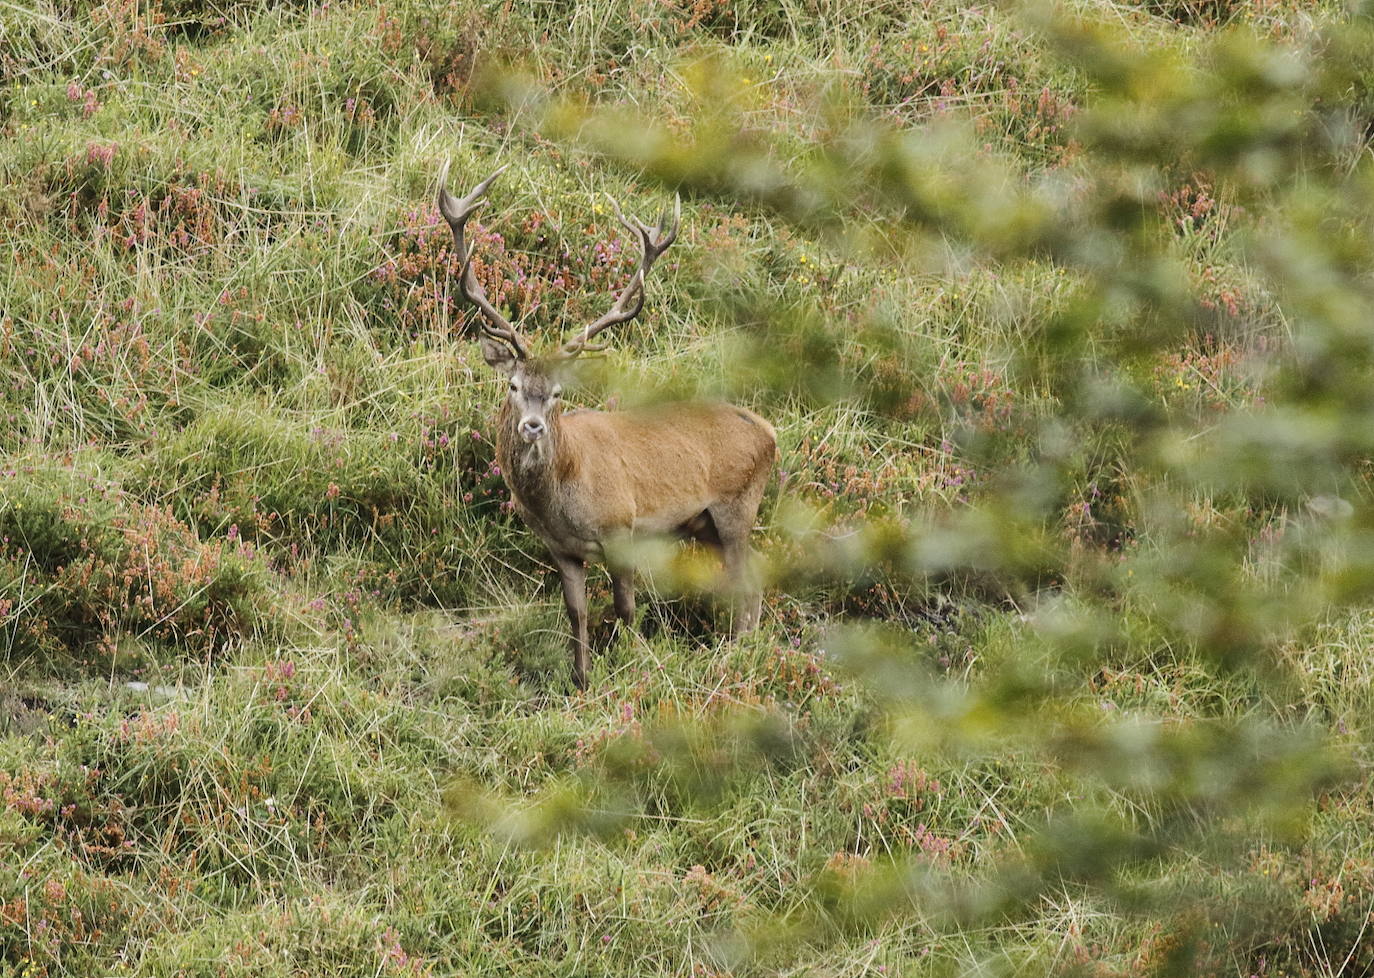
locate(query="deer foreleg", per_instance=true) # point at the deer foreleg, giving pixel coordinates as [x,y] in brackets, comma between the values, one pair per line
[623,588]
[573,574]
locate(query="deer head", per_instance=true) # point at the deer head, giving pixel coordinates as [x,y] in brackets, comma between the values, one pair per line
[536,382]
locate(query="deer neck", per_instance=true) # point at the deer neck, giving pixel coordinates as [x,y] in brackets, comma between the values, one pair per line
[533,470]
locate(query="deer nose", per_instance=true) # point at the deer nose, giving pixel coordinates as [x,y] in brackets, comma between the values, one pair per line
[531,429]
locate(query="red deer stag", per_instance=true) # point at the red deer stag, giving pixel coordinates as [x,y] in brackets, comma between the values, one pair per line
[587,480]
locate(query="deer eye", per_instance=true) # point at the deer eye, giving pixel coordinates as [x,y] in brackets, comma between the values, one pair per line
[555,392]
[514,386]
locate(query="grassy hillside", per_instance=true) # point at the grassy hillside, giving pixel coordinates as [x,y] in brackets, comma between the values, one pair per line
[1061,317]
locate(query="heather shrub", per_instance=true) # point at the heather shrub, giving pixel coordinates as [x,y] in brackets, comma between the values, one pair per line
[87,564]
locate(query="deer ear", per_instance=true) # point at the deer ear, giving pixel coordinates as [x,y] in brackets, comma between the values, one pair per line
[498,355]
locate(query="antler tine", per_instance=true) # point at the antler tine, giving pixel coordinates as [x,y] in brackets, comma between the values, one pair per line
[627,223]
[456,212]
[677,222]
[654,241]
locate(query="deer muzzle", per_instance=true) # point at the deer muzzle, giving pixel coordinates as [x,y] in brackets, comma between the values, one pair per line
[532,429]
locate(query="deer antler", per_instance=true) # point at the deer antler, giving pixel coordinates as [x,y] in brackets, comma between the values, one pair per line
[655,241]
[457,212]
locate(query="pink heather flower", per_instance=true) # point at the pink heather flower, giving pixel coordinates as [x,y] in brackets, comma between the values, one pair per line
[87,97]
[104,155]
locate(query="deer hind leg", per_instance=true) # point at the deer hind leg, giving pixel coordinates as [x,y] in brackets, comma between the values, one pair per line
[573,574]
[733,521]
